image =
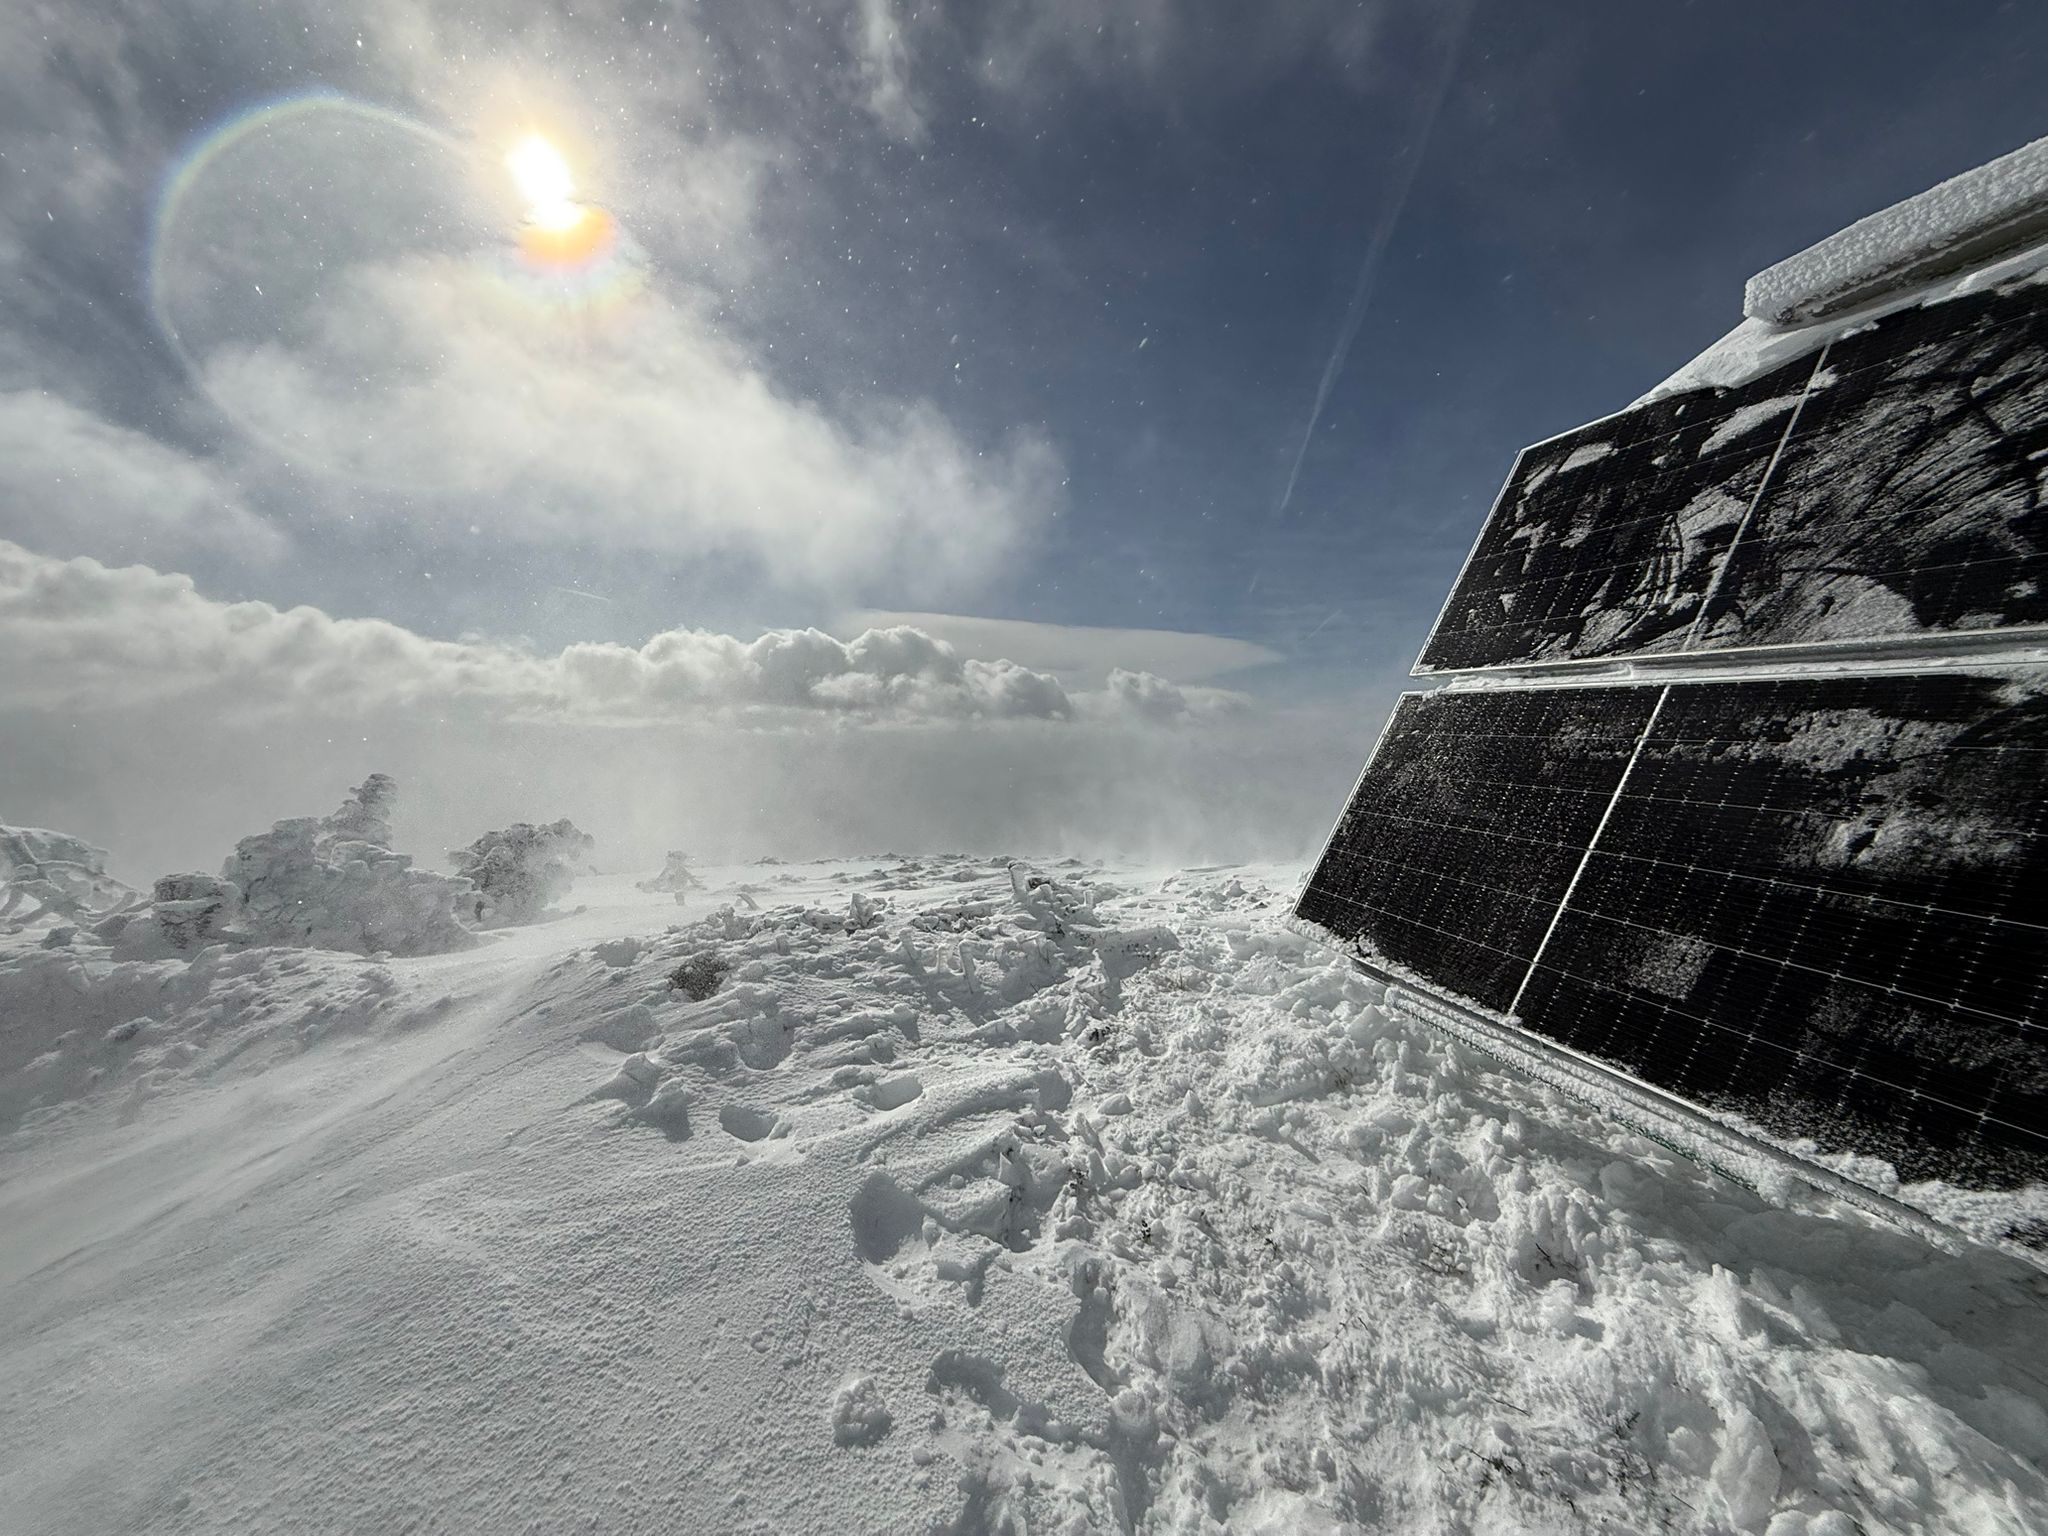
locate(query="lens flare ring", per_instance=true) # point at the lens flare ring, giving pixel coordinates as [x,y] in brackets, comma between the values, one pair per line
[566,259]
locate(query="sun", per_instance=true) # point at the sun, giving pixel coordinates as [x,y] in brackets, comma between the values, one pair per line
[543,179]
[558,230]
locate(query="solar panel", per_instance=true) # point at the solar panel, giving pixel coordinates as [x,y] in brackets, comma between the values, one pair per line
[1890,486]
[1781,864]
[1909,497]
[1819,903]
[1606,540]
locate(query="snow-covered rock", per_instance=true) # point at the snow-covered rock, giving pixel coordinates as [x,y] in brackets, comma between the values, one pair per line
[45,873]
[521,870]
[326,883]
[191,910]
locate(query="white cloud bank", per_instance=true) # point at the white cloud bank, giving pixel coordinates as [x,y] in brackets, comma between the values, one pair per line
[139,713]
[656,433]
[84,635]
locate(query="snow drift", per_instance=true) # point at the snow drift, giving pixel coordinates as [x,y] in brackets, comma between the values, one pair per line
[1068,1199]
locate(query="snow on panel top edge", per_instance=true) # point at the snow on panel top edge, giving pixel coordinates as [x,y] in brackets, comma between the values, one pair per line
[1755,347]
[1975,216]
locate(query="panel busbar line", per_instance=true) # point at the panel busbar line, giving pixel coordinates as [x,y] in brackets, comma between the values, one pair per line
[1889,488]
[1466,828]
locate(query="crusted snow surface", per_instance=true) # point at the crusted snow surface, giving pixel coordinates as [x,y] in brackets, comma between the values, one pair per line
[1945,220]
[941,1198]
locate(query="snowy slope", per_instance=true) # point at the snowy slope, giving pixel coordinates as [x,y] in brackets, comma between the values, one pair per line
[952,1206]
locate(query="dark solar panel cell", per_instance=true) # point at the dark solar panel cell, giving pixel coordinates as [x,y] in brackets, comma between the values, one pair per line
[1467,827]
[1820,873]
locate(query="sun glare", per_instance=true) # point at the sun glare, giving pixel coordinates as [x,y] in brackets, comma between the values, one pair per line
[558,231]
[543,179]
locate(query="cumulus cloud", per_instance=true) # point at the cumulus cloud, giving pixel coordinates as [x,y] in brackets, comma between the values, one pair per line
[1146,696]
[69,478]
[89,636]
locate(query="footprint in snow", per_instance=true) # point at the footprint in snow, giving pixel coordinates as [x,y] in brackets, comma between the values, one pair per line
[749,1124]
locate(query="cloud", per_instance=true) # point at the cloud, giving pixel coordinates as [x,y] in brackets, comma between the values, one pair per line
[69,478]
[352,350]
[388,348]
[1023,45]
[662,435]
[86,636]
[1081,654]
[1144,696]
[882,59]
[148,717]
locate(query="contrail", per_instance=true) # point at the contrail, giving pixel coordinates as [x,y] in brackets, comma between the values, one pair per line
[1382,234]
[595,597]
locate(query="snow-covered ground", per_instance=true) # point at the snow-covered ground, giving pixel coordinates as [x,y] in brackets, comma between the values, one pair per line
[953,1203]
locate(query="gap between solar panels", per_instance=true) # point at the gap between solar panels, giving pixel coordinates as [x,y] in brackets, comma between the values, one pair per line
[1733,812]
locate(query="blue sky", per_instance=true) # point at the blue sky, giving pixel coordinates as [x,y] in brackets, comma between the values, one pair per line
[1007,311]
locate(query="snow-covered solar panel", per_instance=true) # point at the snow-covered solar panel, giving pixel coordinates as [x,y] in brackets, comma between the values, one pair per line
[1889,487]
[1911,496]
[1738,800]
[1819,903]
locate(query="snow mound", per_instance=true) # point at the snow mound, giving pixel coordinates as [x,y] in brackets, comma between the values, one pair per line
[332,882]
[1968,219]
[82,1032]
[519,871]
